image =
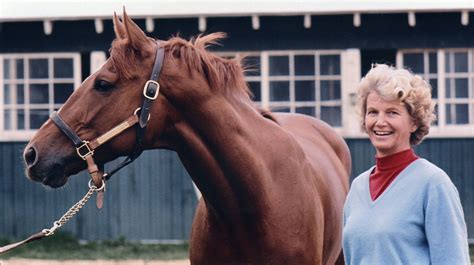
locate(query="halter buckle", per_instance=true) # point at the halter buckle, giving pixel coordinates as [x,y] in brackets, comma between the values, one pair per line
[151,89]
[84,150]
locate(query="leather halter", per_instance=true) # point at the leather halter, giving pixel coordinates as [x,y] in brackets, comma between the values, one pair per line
[85,149]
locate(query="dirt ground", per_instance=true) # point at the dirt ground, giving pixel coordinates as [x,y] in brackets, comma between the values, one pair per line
[91,262]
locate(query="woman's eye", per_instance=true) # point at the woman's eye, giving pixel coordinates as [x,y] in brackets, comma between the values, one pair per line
[102,85]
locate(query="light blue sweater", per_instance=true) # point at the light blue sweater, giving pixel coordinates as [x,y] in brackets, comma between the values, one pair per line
[418,219]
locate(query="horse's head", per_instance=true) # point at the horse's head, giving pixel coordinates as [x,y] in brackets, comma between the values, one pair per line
[115,91]
[104,99]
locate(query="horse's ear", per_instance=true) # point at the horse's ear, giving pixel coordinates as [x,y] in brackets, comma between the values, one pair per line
[135,36]
[118,28]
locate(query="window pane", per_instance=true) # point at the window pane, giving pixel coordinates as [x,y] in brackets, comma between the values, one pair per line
[39,93]
[280,109]
[462,113]
[461,88]
[20,116]
[252,66]
[460,62]
[6,94]
[256,91]
[434,88]
[20,72]
[38,68]
[63,68]
[414,61]
[330,89]
[304,65]
[433,62]
[457,114]
[6,68]
[435,122]
[304,90]
[306,110]
[279,65]
[449,114]
[20,94]
[331,115]
[448,88]
[447,62]
[62,92]
[7,119]
[329,65]
[38,117]
[279,91]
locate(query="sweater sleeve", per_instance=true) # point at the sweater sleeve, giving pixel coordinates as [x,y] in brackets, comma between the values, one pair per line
[445,226]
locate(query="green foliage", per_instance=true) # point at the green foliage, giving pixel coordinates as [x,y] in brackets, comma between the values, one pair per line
[63,246]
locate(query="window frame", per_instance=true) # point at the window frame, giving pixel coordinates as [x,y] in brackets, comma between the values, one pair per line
[443,129]
[292,104]
[16,134]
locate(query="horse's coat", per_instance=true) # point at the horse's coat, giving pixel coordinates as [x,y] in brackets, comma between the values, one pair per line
[273,190]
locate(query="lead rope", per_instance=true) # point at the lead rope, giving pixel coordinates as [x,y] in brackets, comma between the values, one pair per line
[63,220]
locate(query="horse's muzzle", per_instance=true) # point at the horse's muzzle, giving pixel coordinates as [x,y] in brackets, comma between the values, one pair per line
[43,170]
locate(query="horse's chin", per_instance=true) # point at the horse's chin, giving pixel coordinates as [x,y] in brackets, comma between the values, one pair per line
[54,177]
[55,182]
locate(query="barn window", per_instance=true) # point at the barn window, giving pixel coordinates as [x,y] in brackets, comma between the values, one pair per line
[33,86]
[451,75]
[306,82]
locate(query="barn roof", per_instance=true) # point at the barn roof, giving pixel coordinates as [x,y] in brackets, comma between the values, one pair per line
[39,10]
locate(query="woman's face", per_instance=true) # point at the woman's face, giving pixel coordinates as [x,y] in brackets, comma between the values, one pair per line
[388,124]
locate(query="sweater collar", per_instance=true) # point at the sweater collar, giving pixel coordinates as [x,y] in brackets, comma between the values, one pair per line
[395,160]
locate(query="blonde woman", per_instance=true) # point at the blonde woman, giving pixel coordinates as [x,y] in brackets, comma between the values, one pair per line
[403,210]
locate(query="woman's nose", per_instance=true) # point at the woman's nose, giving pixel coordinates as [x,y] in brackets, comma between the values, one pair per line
[381,120]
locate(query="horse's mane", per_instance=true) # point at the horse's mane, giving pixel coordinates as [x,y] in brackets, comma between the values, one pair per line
[222,74]
[225,75]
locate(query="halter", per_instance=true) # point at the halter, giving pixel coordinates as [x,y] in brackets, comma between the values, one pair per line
[85,149]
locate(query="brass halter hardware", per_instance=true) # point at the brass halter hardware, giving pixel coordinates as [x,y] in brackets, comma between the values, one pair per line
[84,147]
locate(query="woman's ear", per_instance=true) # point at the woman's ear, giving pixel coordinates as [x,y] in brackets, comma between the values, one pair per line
[414,127]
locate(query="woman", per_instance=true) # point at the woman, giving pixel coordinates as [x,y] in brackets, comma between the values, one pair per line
[404,210]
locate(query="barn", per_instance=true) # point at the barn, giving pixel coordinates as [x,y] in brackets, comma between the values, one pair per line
[306,57]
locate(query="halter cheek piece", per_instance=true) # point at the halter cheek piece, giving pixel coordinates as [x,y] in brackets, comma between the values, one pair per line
[85,149]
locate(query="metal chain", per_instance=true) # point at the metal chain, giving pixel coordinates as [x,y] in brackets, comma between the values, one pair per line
[73,210]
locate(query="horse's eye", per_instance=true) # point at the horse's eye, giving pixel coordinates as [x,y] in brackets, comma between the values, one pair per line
[102,85]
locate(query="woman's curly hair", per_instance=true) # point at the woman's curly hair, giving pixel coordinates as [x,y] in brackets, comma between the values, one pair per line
[391,84]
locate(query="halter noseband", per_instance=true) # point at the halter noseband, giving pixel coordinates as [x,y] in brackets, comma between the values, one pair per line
[85,149]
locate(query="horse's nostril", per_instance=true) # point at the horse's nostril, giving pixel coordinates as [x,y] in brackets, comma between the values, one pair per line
[30,156]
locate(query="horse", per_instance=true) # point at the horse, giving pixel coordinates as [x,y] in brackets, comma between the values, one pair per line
[273,184]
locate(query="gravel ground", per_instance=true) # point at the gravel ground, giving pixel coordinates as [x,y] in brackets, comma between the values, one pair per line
[91,262]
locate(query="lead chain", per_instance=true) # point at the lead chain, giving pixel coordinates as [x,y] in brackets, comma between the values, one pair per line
[73,210]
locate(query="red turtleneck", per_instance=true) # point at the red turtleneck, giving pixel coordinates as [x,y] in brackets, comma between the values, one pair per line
[387,169]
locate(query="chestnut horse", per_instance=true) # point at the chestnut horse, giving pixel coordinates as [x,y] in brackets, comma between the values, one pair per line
[273,185]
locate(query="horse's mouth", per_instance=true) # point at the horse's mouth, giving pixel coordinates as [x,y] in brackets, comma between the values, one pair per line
[55,177]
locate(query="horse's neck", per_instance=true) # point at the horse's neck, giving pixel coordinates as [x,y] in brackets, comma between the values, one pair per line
[220,149]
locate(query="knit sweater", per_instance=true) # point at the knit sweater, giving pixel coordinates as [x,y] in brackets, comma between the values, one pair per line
[418,219]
